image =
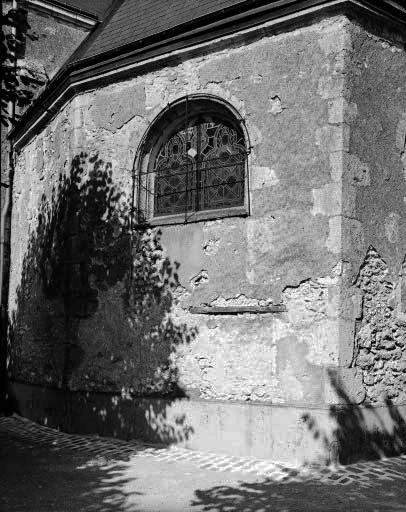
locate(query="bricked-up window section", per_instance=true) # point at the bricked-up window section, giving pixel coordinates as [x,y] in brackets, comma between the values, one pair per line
[198,168]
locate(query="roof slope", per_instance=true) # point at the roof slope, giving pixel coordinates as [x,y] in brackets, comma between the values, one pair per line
[95,8]
[135,20]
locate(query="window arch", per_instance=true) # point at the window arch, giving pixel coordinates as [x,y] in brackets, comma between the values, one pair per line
[193,163]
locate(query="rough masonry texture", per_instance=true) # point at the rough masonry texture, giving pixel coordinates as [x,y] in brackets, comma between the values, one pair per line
[381,337]
[99,305]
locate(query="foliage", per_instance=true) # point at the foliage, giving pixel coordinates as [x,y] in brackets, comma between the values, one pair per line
[18,84]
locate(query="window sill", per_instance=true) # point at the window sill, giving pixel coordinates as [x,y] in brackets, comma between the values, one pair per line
[236,310]
[189,217]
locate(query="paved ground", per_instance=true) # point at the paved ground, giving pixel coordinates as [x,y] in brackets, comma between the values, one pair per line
[42,470]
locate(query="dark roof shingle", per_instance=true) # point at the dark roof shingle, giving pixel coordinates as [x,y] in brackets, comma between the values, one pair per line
[96,8]
[136,20]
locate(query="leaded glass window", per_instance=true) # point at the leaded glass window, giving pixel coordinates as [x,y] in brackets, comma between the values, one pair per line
[200,167]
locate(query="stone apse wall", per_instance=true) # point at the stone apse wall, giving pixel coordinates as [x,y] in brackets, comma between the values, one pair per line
[376,182]
[99,306]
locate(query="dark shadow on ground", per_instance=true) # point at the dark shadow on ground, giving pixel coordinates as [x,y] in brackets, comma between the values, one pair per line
[267,495]
[37,479]
[92,314]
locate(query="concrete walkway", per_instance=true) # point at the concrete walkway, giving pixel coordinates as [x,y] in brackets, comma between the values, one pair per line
[42,470]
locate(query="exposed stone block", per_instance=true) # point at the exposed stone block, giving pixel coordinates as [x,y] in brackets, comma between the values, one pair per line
[380,355]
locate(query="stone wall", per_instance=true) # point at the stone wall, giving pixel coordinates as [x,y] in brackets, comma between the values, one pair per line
[54,42]
[98,306]
[381,337]
[375,183]
[48,45]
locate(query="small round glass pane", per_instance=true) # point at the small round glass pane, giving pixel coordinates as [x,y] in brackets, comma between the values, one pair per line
[192,152]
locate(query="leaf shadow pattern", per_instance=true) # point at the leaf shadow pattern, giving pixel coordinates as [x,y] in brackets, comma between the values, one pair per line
[91,320]
[45,478]
[18,83]
[360,432]
[268,495]
[356,437]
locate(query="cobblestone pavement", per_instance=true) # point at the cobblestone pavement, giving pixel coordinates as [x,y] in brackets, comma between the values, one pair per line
[109,448]
[44,470]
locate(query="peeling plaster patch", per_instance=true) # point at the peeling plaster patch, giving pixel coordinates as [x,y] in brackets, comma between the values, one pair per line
[392,227]
[306,302]
[275,105]
[240,300]
[201,278]
[106,110]
[263,177]
[358,171]
[223,369]
[210,247]
[121,122]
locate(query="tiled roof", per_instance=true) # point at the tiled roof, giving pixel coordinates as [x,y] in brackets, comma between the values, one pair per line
[136,20]
[96,8]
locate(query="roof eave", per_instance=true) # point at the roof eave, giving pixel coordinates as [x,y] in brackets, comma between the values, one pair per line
[119,63]
[77,17]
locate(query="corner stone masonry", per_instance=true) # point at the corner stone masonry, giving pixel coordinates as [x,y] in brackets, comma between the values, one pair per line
[381,337]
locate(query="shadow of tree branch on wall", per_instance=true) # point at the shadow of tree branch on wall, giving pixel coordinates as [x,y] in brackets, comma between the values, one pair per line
[364,432]
[91,319]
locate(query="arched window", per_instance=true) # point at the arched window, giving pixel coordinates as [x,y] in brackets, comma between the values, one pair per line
[195,164]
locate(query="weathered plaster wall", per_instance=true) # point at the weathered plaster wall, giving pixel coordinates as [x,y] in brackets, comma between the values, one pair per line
[54,41]
[46,47]
[374,181]
[97,325]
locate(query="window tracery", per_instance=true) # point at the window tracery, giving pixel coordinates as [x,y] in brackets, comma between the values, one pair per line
[201,167]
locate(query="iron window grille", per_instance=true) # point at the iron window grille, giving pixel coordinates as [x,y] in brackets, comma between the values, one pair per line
[200,166]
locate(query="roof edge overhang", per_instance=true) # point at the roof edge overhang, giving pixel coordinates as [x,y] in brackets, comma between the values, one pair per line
[77,17]
[127,61]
